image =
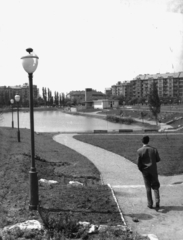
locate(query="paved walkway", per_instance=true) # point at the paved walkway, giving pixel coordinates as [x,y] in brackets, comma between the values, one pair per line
[128,186]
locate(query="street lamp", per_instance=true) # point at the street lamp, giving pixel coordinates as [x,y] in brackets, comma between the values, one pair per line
[17,99]
[30,63]
[12,102]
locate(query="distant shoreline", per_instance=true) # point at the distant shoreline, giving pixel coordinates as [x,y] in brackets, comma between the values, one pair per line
[5,110]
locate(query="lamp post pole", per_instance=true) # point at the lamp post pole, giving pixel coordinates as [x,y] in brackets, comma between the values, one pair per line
[18,121]
[33,174]
[30,63]
[12,102]
[17,99]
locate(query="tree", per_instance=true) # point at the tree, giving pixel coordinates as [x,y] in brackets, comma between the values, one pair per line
[56,98]
[63,99]
[154,101]
[44,97]
[49,97]
[121,99]
[60,99]
[40,101]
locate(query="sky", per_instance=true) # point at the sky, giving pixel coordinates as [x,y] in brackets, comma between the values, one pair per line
[89,43]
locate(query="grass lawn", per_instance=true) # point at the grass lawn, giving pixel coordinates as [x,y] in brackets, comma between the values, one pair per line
[62,205]
[170,147]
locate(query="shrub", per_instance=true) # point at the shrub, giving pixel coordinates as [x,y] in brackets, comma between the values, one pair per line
[118,119]
[60,226]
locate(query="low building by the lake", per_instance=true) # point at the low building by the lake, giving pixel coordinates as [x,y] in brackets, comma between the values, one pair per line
[105,103]
[88,95]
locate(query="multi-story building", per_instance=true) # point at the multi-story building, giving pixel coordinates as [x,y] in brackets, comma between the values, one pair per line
[81,97]
[108,92]
[121,88]
[168,85]
[7,93]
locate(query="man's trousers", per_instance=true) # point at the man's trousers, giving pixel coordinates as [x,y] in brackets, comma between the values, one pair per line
[151,182]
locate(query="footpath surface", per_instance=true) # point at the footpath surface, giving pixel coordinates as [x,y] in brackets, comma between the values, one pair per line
[128,187]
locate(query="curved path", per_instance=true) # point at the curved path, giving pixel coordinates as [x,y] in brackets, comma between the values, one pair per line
[128,186]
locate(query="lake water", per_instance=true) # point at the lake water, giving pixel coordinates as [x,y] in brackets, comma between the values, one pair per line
[57,121]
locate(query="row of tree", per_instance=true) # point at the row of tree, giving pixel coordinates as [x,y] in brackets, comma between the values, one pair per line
[51,100]
[47,99]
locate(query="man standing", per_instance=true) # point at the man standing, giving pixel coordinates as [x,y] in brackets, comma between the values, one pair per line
[147,158]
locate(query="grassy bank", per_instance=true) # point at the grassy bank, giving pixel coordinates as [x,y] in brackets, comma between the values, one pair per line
[62,205]
[168,145]
[165,116]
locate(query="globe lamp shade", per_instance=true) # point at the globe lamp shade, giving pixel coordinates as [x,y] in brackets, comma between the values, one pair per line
[17,98]
[30,63]
[12,101]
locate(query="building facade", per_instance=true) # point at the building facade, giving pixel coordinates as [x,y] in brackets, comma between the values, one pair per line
[88,95]
[121,88]
[7,93]
[169,85]
[105,104]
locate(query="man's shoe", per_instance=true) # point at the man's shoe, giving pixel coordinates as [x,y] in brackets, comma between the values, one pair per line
[157,205]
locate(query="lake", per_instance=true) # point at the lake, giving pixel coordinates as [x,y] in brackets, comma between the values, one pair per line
[57,121]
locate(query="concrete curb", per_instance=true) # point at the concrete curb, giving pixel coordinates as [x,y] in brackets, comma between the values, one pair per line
[116,201]
[150,235]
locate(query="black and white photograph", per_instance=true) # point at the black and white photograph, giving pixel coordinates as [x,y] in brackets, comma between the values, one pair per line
[91,119]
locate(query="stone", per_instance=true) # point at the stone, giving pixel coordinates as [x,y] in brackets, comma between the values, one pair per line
[75,183]
[27,225]
[47,181]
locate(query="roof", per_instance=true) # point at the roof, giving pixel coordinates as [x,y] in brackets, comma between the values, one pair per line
[141,77]
[159,75]
[15,87]
[106,100]
[94,93]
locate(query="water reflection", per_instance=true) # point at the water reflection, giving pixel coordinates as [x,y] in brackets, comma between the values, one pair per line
[57,121]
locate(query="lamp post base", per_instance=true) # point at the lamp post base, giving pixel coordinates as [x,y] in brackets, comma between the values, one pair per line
[34,199]
[12,124]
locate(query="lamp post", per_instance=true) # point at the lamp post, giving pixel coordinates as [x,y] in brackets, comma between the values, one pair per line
[17,99]
[30,63]
[12,102]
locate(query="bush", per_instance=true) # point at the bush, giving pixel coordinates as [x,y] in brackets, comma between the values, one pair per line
[58,226]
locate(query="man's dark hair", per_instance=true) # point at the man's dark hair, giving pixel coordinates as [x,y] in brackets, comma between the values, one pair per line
[145,139]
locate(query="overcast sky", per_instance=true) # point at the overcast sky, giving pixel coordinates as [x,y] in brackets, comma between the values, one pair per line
[89,43]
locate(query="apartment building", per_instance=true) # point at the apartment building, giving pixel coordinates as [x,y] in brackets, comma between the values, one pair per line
[7,93]
[121,88]
[168,85]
